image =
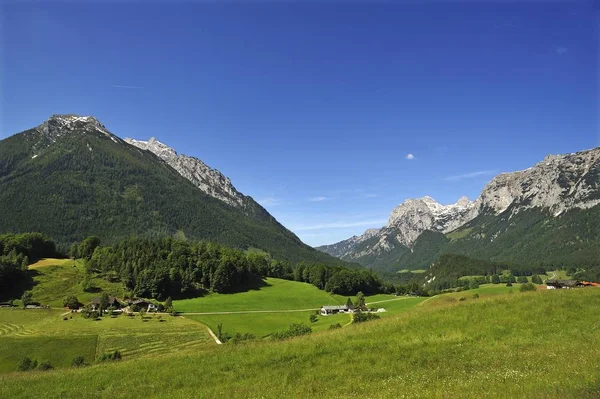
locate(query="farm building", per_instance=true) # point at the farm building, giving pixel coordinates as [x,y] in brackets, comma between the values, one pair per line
[329,310]
[112,301]
[143,304]
[559,284]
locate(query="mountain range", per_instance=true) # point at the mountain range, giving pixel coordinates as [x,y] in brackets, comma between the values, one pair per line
[546,214]
[70,177]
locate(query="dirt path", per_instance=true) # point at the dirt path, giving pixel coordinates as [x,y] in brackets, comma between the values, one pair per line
[212,334]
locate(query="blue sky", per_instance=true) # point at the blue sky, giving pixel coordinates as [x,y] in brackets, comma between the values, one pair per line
[313,109]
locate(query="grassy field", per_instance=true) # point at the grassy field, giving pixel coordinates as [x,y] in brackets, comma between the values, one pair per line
[48,262]
[44,335]
[264,324]
[276,295]
[55,279]
[513,345]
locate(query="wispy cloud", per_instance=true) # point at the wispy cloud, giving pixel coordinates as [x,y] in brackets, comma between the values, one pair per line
[471,175]
[561,50]
[340,225]
[410,157]
[269,201]
[126,87]
[318,199]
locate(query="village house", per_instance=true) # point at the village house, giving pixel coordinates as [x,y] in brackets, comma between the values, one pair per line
[143,304]
[112,301]
[560,284]
[329,310]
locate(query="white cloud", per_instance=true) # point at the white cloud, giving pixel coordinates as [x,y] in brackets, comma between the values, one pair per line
[317,199]
[340,225]
[471,175]
[410,157]
[561,50]
[127,87]
[269,201]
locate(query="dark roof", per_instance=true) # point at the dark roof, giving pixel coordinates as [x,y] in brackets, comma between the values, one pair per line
[111,299]
[341,307]
[562,283]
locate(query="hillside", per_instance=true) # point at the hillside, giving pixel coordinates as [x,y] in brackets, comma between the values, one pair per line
[514,345]
[548,214]
[70,178]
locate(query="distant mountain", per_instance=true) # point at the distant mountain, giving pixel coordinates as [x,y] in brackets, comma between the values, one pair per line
[549,213]
[70,177]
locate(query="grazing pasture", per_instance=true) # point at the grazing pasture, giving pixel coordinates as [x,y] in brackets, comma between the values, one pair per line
[511,345]
[277,294]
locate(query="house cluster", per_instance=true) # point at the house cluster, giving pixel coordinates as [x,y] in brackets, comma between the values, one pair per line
[335,309]
[128,305]
[329,310]
[561,284]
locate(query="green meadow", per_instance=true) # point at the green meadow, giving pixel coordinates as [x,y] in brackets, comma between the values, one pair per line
[55,279]
[504,345]
[45,335]
[264,324]
[277,294]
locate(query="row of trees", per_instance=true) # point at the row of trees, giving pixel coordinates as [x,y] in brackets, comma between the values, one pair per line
[158,268]
[167,267]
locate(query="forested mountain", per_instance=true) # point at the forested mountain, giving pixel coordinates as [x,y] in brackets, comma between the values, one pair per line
[70,178]
[547,215]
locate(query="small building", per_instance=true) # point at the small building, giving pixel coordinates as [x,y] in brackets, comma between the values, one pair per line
[329,310]
[561,284]
[144,304]
[112,301]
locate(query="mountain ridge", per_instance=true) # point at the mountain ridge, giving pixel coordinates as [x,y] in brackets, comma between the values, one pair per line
[70,177]
[553,187]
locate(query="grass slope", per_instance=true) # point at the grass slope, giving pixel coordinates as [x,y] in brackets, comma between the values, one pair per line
[276,295]
[55,279]
[44,335]
[510,346]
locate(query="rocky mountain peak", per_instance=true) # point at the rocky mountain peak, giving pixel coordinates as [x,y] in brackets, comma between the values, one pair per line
[209,180]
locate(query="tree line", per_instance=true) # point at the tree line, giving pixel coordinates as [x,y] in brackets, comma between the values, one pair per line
[159,268]
[16,253]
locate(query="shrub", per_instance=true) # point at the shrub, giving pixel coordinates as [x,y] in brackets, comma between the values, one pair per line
[78,361]
[237,338]
[360,317]
[45,366]
[475,296]
[71,302]
[527,287]
[462,298]
[313,318]
[509,284]
[335,326]
[27,364]
[116,355]
[294,330]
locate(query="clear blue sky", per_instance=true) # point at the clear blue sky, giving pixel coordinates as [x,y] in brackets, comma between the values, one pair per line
[312,109]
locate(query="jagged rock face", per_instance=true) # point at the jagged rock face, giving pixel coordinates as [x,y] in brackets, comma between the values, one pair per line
[414,216]
[557,184]
[209,180]
[346,249]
